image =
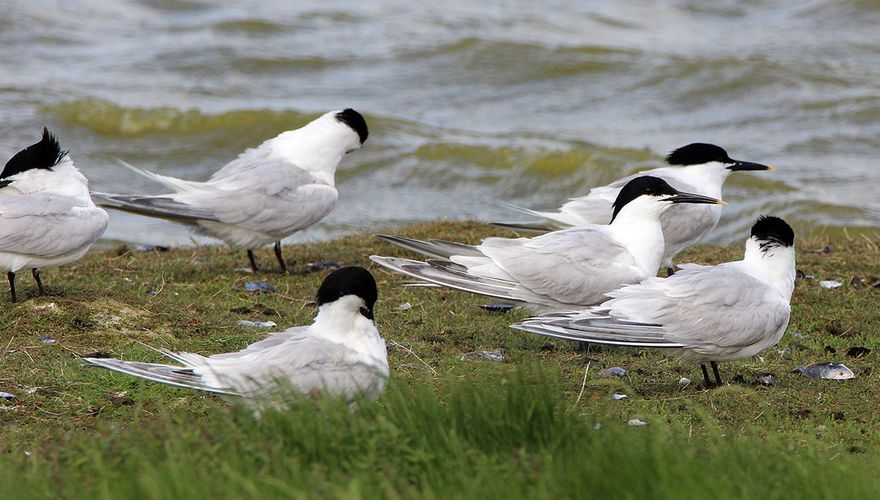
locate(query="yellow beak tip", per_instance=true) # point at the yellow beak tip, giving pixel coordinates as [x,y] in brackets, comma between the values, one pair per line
[770,169]
[721,202]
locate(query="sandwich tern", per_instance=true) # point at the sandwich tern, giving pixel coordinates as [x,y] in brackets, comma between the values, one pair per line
[559,270]
[702,313]
[341,353]
[697,168]
[47,218]
[265,195]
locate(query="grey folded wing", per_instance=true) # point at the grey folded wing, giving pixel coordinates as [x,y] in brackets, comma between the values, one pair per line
[48,225]
[574,266]
[273,197]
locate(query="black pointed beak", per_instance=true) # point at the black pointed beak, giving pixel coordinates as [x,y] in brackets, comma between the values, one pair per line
[746,166]
[682,197]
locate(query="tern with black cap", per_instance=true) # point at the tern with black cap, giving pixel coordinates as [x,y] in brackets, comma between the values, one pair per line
[561,270]
[265,195]
[702,314]
[697,168]
[47,217]
[340,354]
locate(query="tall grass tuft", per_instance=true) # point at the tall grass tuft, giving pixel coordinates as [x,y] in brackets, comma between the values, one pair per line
[515,436]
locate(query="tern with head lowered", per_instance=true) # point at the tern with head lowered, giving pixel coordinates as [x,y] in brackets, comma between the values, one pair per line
[697,168]
[340,354]
[560,270]
[265,195]
[47,217]
[702,314]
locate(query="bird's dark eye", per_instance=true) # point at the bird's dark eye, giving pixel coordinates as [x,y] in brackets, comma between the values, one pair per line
[366,312]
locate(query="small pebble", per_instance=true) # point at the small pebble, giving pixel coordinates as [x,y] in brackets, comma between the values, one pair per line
[258,286]
[7,395]
[502,307]
[256,324]
[47,340]
[495,356]
[684,382]
[617,396]
[406,306]
[766,380]
[636,422]
[613,372]
[827,371]
[831,283]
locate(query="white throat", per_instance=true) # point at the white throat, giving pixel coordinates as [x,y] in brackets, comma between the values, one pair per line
[317,147]
[708,178]
[774,265]
[637,227]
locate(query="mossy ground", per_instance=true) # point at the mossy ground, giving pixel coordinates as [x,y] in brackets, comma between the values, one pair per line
[190,299]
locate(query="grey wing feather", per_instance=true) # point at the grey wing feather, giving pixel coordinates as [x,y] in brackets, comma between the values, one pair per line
[439,249]
[165,374]
[274,339]
[451,276]
[48,225]
[154,206]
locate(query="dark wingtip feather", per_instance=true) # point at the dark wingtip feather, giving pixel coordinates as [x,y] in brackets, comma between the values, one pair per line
[45,154]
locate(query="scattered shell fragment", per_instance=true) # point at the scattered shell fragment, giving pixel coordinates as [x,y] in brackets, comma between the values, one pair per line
[7,395]
[498,306]
[47,340]
[613,372]
[684,382]
[827,371]
[496,356]
[406,306]
[256,324]
[636,422]
[766,380]
[258,286]
[617,396]
[831,283]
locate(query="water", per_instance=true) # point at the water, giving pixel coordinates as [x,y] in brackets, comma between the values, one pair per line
[528,102]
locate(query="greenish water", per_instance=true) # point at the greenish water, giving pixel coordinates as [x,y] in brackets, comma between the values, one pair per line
[525,102]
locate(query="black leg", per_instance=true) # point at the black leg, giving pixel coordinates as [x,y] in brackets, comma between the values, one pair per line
[36,273]
[280,257]
[670,271]
[11,277]
[706,377]
[254,265]
[717,375]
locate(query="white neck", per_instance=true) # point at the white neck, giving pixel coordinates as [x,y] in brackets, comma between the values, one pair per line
[317,147]
[708,178]
[637,227]
[341,321]
[774,266]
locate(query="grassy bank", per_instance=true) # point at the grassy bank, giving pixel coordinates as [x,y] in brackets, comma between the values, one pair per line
[524,426]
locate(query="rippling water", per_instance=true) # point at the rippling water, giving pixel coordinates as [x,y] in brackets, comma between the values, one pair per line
[529,102]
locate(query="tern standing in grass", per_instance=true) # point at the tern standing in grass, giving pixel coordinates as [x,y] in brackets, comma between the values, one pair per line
[697,168]
[702,314]
[340,354]
[47,217]
[265,195]
[561,270]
